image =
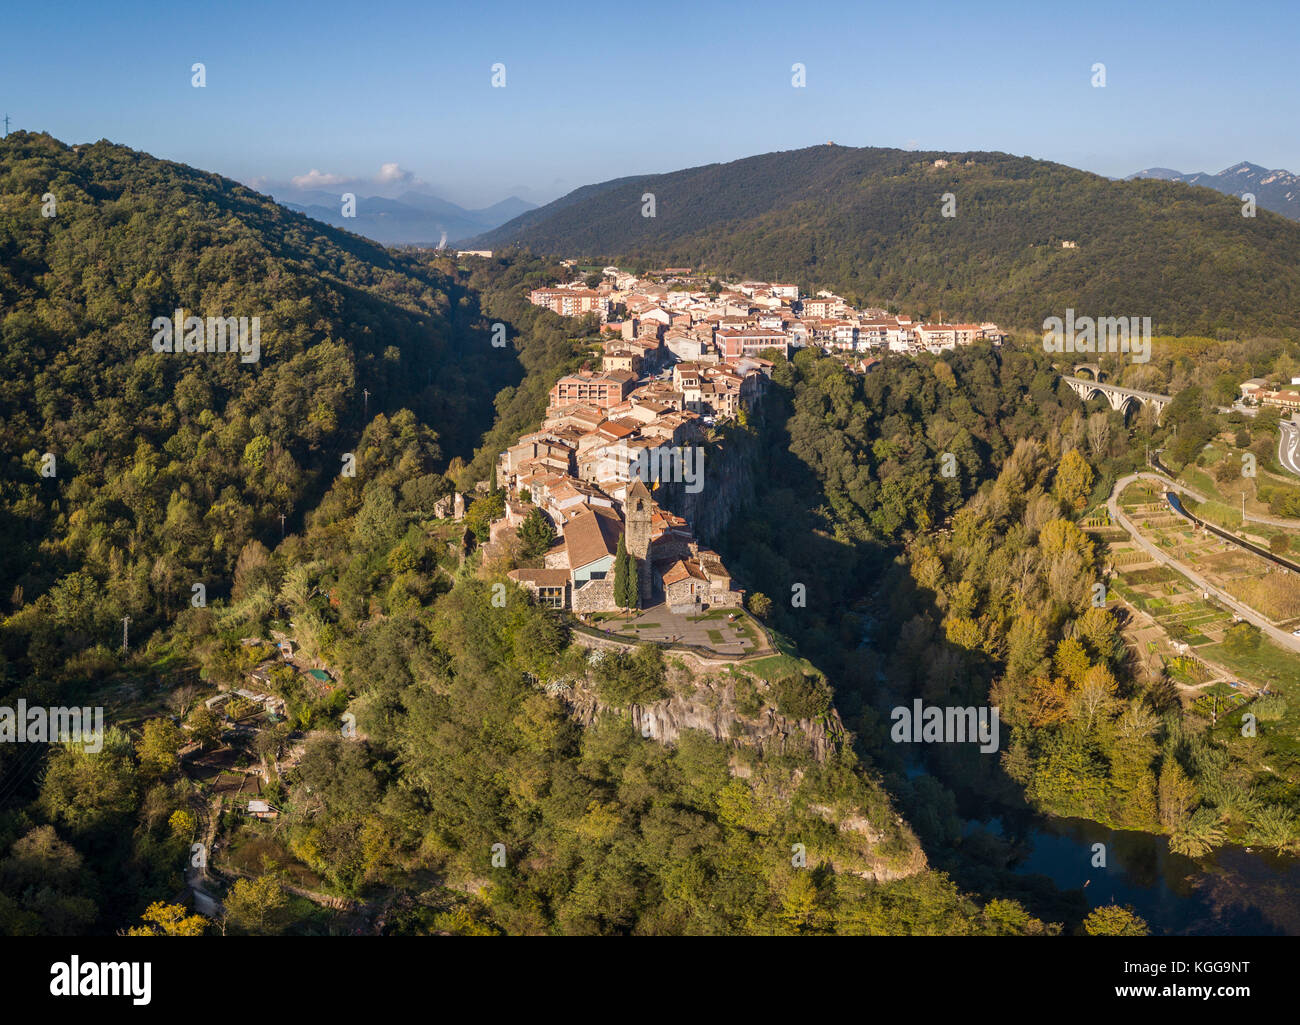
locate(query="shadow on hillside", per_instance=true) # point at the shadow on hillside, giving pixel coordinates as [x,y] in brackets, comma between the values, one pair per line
[867,624]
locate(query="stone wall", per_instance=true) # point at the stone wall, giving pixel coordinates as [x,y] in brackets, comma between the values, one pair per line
[724,599]
[595,596]
[669,548]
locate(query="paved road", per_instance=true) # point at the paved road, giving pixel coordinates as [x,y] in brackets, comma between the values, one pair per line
[1288,446]
[1281,637]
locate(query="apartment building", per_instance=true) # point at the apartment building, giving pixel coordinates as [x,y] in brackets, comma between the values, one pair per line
[598,390]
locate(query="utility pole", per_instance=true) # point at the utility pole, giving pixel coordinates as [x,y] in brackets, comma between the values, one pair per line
[126,622]
[281,526]
[6,126]
[365,398]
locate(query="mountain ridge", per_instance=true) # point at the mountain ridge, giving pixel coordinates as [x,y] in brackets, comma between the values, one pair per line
[413,218]
[870,223]
[1274,189]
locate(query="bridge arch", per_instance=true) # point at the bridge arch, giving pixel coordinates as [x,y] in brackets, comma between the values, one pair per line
[1123,400]
[1094,370]
[1127,404]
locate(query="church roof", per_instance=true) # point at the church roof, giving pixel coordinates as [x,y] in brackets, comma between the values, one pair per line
[590,536]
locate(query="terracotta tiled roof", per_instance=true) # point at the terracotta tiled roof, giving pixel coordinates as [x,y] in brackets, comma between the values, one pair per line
[681,570]
[591,535]
[619,428]
[540,577]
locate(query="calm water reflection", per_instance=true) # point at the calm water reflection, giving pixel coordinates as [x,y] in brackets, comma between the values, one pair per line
[1231,891]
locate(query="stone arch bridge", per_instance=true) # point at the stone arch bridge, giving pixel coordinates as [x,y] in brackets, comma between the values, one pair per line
[1120,399]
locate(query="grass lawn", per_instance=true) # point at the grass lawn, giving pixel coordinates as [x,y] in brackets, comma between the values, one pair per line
[774,667]
[1219,513]
[1200,481]
[1266,664]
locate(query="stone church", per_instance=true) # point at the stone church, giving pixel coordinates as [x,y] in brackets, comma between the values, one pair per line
[672,569]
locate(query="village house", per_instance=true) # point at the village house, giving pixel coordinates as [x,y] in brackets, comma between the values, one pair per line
[685,346]
[750,342]
[261,810]
[621,357]
[1253,388]
[936,337]
[593,389]
[570,302]
[550,587]
[1283,398]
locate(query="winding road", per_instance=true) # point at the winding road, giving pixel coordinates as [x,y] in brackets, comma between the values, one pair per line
[1288,446]
[1280,637]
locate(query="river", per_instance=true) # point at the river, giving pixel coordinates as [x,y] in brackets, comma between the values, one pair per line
[1232,891]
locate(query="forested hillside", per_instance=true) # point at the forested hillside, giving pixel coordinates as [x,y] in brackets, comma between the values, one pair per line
[869,222]
[161,467]
[468,744]
[977,589]
[173,469]
[927,512]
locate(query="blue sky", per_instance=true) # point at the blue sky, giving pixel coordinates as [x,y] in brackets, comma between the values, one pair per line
[596,91]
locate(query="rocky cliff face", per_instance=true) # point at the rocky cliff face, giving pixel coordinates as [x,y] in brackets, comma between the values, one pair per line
[708,703]
[783,770]
[728,483]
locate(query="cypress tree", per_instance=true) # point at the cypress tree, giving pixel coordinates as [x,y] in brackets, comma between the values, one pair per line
[622,577]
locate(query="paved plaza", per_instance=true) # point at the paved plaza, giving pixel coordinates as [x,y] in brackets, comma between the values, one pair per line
[712,630]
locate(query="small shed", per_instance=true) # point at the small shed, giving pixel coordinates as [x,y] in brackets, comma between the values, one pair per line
[262,810]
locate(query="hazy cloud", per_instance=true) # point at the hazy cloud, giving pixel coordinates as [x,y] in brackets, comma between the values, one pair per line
[314,179]
[390,175]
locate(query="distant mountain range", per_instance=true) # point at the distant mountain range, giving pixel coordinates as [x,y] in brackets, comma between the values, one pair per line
[1027,238]
[1278,190]
[415,218]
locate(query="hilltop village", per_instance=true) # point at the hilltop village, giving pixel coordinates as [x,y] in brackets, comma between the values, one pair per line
[617,439]
[695,319]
